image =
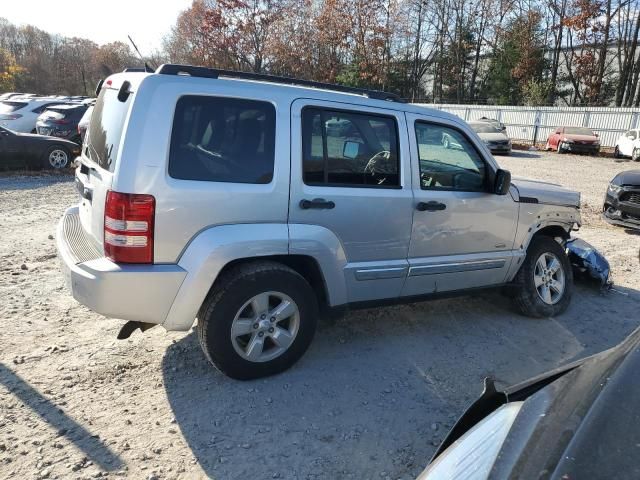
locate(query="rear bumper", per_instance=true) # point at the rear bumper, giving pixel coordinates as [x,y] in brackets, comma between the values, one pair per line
[141,293]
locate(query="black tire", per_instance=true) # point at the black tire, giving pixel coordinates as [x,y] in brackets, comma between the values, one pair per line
[46,159]
[616,152]
[560,149]
[635,154]
[526,297]
[230,292]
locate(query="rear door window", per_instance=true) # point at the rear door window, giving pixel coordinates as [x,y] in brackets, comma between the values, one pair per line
[106,128]
[348,149]
[219,139]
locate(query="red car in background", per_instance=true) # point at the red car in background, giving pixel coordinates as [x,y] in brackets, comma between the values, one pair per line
[574,139]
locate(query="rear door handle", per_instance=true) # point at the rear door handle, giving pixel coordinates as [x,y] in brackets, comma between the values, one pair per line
[317,203]
[431,206]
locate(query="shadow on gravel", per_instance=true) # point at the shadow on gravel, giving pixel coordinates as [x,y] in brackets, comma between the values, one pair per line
[523,154]
[90,445]
[377,391]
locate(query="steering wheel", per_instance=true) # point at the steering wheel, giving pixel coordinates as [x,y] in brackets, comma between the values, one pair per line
[379,163]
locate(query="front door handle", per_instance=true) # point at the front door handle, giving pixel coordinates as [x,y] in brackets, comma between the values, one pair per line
[317,203]
[431,206]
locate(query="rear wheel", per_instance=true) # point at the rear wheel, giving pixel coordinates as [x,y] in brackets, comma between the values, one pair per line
[616,152]
[258,320]
[544,283]
[635,155]
[57,157]
[560,149]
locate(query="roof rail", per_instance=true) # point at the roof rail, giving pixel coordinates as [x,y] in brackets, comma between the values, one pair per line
[204,72]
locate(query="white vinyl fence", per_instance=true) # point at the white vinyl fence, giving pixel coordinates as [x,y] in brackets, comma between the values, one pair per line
[533,125]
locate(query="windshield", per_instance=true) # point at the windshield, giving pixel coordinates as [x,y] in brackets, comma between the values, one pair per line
[578,131]
[484,128]
[106,128]
[8,107]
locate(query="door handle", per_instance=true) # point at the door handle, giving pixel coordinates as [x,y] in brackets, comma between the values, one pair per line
[317,203]
[431,206]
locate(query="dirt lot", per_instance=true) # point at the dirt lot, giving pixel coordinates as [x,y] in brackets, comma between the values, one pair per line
[371,398]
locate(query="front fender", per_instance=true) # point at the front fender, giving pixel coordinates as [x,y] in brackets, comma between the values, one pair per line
[207,255]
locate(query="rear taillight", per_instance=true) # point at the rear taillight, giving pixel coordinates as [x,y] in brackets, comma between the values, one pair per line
[128,227]
[62,121]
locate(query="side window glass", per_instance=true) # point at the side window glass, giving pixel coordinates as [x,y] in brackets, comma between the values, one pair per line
[349,149]
[448,161]
[223,140]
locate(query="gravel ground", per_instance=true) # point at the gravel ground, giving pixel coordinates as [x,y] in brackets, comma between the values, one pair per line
[372,398]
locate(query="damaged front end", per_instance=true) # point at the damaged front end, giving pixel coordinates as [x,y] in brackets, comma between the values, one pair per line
[622,200]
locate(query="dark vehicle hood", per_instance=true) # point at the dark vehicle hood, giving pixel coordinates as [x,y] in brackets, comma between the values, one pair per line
[629,177]
[584,424]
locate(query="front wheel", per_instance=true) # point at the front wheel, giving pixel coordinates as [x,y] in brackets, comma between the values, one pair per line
[560,149]
[258,320]
[635,155]
[544,283]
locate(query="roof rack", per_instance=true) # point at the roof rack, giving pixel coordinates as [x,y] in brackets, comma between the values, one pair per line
[204,72]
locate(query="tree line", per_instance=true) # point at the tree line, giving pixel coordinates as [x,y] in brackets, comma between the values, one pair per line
[533,52]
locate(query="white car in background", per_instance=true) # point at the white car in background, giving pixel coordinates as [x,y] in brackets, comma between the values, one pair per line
[627,143]
[20,113]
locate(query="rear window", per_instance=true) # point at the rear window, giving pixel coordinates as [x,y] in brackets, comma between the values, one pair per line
[105,129]
[222,140]
[8,107]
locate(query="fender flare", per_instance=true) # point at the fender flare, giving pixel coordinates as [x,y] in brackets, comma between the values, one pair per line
[209,252]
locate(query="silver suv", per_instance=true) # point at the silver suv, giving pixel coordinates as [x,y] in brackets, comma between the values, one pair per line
[255,203]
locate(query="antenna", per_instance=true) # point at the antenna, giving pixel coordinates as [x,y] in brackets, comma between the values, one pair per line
[147,68]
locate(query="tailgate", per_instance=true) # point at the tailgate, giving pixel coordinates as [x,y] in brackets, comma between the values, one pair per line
[92,183]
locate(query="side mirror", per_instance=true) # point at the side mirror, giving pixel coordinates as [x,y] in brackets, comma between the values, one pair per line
[596,135]
[350,149]
[502,182]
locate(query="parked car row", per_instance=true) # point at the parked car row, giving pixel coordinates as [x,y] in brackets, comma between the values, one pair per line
[41,132]
[57,115]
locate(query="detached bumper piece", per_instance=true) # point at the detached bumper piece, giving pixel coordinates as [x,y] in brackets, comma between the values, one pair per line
[587,261]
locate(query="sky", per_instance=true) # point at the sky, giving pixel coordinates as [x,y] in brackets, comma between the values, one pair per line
[102,21]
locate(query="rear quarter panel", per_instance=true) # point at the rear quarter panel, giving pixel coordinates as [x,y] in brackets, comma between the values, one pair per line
[186,207]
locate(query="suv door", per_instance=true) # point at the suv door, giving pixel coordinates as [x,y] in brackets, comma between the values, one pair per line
[350,176]
[463,233]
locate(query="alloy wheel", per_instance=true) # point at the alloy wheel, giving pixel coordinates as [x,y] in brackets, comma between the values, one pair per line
[549,278]
[58,158]
[265,326]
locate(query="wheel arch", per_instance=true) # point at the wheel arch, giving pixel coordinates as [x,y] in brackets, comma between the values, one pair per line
[316,256]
